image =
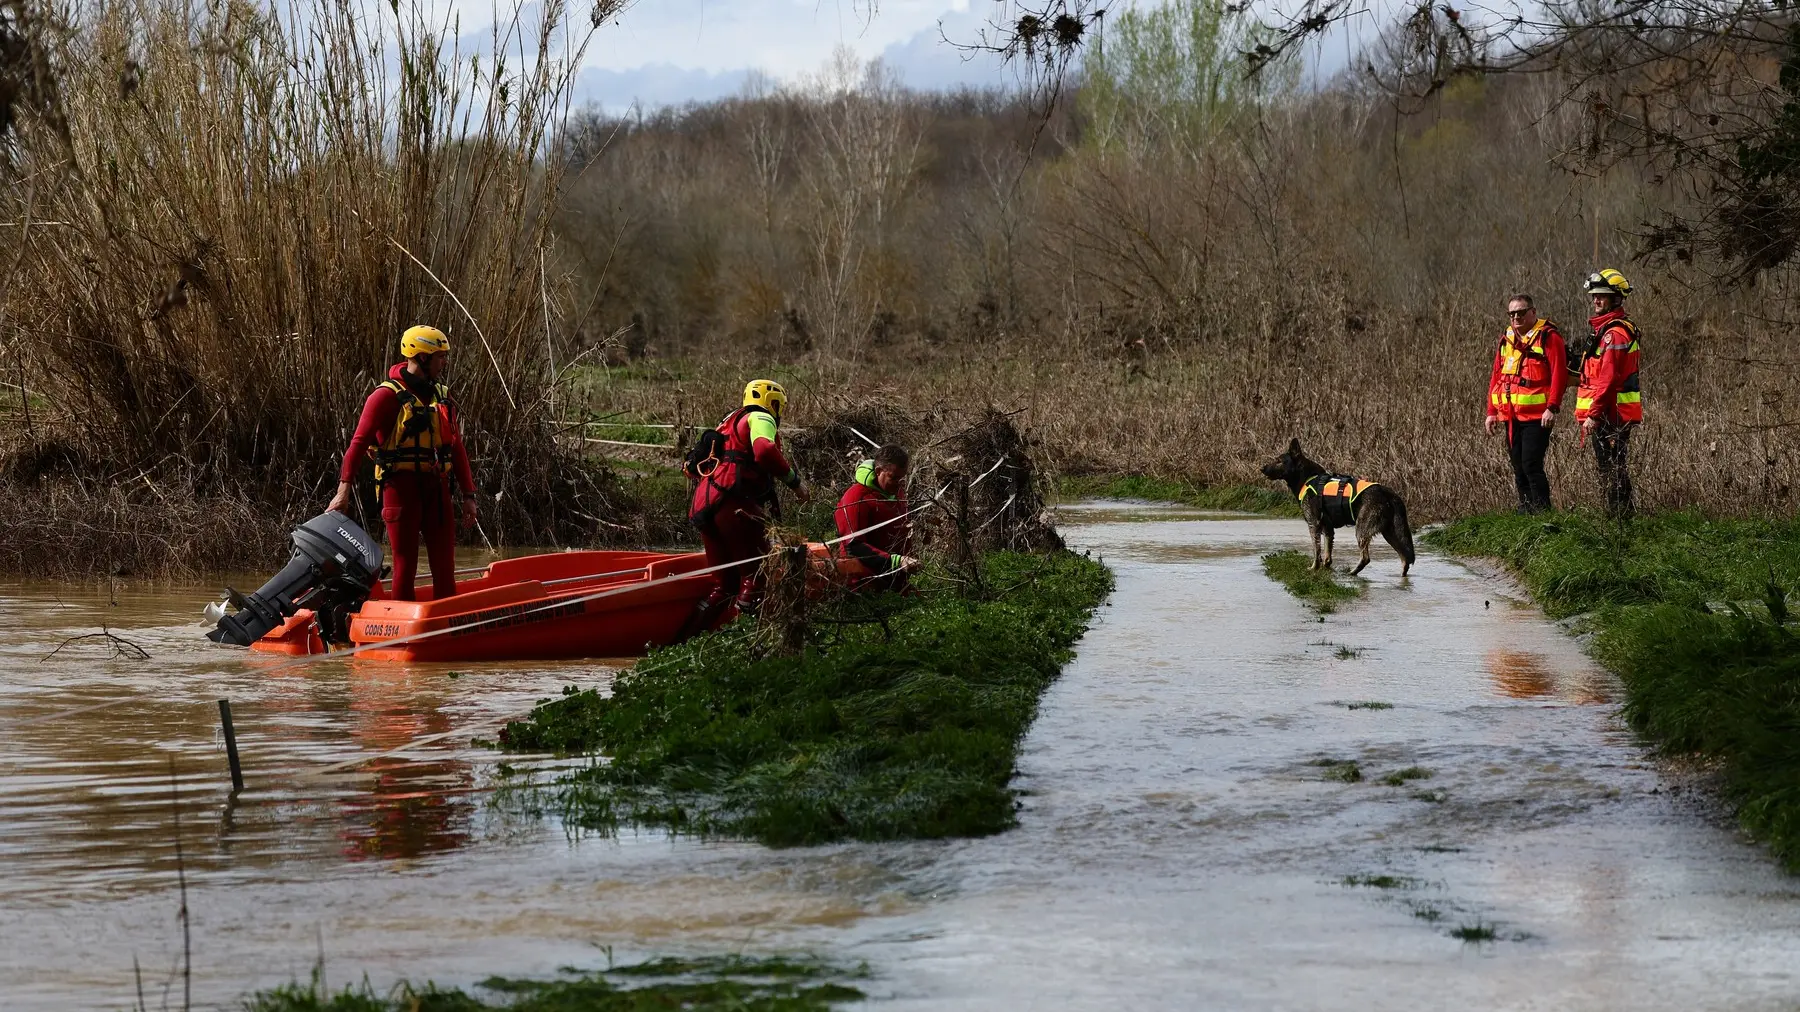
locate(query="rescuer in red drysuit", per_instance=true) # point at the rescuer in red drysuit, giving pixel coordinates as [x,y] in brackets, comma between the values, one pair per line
[410,427]
[734,468]
[877,497]
[1610,402]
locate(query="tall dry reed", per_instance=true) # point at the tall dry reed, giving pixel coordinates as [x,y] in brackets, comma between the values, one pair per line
[231,211]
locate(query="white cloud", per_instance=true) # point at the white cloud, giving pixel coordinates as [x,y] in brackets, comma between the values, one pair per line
[668,57]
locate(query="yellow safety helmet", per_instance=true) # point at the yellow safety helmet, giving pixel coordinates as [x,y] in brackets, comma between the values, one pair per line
[1608,282]
[765,394]
[423,341]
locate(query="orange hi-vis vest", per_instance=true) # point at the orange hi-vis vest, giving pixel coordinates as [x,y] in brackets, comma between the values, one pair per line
[1609,375]
[1337,497]
[420,439]
[1528,374]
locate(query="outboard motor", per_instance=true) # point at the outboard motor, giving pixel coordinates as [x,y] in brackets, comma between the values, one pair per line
[334,567]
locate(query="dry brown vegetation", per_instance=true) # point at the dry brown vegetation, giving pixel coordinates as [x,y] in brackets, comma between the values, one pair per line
[1318,266]
[228,215]
[221,214]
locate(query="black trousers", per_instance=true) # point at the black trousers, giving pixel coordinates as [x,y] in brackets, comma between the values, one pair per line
[1611,442]
[1526,445]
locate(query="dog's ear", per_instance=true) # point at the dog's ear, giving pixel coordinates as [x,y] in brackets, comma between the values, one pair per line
[1294,447]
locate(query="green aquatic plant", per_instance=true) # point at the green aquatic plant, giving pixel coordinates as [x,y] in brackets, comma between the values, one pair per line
[723,984]
[1348,771]
[1398,778]
[1692,614]
[1320,588]
[1345,653]
[1369,704]
[1381,881]
[905,727]
[1477,932]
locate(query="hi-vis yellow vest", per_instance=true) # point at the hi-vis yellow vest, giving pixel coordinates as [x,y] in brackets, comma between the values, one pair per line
[420,438]
[1337,495]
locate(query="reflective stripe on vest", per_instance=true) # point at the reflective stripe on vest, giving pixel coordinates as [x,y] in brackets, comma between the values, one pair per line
[1517,398]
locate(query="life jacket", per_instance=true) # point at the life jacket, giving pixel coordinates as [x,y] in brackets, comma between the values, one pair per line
[1619,336]
[723,462]
[422,434]
[1521,391]
[1338,495]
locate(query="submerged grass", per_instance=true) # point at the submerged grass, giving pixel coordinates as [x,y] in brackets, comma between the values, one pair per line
[1347,771]
[1318,587]
[1398,778]
[898,728]
[1693,615]
[1381,881]
[1477,932]
[776,984]
[1237,498]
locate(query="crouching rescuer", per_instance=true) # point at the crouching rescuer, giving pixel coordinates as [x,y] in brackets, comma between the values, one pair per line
[872,509]
[734,469]
[411,429]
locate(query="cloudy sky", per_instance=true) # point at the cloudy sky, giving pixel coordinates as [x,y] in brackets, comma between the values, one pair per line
[671,51]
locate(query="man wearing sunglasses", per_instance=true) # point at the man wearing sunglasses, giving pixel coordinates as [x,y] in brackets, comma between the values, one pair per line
[1524,390]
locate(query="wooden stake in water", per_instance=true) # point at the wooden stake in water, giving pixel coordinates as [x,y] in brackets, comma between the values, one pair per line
[231,753]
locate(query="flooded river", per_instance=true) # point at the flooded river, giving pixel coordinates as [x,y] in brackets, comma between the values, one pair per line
[1191,836]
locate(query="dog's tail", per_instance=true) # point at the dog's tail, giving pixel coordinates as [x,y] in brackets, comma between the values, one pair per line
[1402,532]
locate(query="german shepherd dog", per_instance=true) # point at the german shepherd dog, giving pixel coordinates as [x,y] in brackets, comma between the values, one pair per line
[1330,501]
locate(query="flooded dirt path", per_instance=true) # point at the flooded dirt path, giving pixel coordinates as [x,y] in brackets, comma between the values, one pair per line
[1181,844]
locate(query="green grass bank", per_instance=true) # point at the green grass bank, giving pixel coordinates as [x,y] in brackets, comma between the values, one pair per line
[1692,614]
[1239,498]
[900,718]
[726,984]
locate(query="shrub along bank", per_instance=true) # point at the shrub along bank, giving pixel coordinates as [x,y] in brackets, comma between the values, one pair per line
[901,722]
[1693,615]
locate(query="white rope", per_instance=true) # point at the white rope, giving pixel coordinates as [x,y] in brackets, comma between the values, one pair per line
[558,603]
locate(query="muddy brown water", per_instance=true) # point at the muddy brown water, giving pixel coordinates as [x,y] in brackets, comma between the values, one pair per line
[1180,843]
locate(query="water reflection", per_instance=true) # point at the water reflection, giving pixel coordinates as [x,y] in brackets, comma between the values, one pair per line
[88,799]
[1523,674]
[1519,674]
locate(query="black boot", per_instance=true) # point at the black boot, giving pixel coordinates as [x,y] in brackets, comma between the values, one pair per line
[704,615]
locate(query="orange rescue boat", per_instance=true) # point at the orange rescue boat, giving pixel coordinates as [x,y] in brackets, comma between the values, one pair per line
[537,607]
[560,606]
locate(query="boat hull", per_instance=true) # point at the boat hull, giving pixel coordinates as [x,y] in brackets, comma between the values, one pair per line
[561,606]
